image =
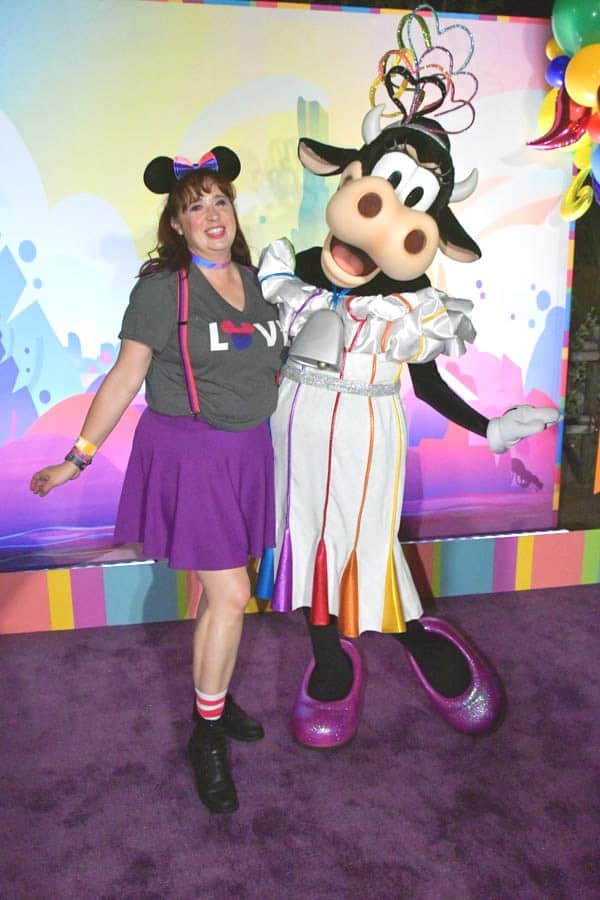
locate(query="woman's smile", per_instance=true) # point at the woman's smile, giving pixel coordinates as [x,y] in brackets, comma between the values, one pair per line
[208,225]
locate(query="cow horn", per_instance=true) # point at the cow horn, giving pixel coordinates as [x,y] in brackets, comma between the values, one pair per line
[464,189]
[371,126]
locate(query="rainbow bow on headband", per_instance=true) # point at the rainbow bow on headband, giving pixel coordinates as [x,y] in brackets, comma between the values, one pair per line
[162,173]
[182,166]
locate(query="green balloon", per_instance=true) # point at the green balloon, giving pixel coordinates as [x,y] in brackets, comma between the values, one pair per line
[575,24]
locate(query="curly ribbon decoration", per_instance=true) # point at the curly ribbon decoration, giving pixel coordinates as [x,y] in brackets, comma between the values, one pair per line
[578,198]
[408,18]
[400,56]
[415,75]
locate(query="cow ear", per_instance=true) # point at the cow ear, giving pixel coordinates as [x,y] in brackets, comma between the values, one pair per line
[322,159]
[454,240]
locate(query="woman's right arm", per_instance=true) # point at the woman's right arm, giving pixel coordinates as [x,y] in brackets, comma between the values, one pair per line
[113,397]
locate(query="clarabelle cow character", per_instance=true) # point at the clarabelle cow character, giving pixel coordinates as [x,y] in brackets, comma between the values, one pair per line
[355,311]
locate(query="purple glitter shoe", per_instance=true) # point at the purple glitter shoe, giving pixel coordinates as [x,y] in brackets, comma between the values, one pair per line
[478,708]
[323,724]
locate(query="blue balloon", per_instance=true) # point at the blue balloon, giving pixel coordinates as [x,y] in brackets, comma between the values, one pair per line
[595,162]
[555,73]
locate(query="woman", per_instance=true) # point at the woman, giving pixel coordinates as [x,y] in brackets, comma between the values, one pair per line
[198,490]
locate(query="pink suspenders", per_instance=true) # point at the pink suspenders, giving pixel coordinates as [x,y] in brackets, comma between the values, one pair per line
[182,324]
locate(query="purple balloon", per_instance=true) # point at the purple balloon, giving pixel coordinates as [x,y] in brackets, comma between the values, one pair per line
[555,73]
[596,187]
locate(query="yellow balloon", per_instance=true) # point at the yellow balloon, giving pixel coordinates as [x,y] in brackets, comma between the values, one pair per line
[581,145]
[582,156]
[547,111]
[578,198]
[582,76]
[553,49]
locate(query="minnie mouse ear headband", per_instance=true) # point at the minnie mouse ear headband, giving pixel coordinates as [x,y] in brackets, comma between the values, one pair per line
[162,173]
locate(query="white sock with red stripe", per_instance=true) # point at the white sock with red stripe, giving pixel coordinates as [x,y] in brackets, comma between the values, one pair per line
[210,706]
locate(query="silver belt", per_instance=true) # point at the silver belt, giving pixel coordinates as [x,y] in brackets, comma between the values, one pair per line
[340,385]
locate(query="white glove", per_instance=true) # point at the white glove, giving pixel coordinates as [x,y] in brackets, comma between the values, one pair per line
[517,423]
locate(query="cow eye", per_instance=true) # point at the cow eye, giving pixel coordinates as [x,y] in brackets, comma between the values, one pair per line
[395,167]
[414,185]
[414,196]
[421,190]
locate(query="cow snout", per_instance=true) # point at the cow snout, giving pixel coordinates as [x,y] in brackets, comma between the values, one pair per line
[370,205]
[415,241]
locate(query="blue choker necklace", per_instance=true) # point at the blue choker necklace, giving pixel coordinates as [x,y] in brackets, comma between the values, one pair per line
[208,264]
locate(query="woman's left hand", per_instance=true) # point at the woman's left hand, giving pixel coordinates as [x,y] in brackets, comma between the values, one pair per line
[50,477]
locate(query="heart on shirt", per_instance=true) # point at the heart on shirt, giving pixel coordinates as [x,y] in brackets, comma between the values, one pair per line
[241,335]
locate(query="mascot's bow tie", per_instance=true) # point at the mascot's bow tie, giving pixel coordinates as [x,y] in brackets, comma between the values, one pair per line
[182,166]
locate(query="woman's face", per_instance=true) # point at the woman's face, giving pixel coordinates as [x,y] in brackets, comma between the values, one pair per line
[208,225]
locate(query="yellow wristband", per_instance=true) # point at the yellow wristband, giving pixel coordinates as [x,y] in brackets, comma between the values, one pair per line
[86,447]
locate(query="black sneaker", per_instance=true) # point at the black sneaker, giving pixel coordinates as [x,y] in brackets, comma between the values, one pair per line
[207,751]
[237,723]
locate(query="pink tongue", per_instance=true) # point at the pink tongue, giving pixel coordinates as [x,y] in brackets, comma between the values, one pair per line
[347,260]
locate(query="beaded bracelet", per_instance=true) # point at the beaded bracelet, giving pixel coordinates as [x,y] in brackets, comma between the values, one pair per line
[78,458]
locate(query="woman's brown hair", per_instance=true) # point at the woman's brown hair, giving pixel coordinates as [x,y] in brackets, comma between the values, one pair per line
[171,250]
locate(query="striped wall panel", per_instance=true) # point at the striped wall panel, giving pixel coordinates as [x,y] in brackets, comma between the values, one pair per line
[132,593]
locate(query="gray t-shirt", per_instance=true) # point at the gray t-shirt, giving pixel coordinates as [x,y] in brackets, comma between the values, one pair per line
[235,355]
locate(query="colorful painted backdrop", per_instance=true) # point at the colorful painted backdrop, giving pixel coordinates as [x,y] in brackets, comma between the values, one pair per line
[84,107]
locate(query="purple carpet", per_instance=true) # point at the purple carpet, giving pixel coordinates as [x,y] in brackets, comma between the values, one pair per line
[97,799]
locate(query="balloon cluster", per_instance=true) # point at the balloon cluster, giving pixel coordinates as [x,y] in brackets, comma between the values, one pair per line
[569,116]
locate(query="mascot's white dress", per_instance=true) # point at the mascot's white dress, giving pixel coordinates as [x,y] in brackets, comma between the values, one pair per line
[340,443]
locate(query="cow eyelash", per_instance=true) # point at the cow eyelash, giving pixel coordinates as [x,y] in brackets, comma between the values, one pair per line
[442,176]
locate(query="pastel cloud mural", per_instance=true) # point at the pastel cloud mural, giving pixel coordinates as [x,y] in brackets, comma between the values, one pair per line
[81,112]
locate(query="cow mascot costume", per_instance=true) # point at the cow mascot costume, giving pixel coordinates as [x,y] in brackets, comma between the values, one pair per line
[355,311]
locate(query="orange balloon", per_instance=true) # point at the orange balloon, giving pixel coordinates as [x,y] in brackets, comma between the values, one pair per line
[593,127]
[582,76]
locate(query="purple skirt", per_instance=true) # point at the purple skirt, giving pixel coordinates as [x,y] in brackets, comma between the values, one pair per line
[199,497]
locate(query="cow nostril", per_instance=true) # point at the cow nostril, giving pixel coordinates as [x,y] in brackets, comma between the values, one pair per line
[415,241]
[370,205]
